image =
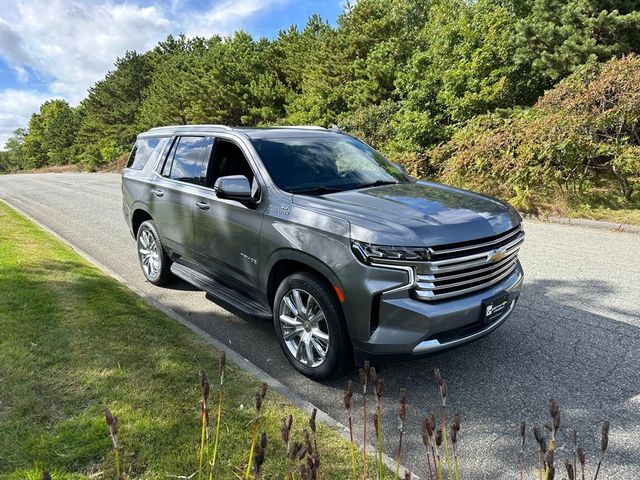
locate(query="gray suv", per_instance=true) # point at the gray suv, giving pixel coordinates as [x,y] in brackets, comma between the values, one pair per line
[350,256]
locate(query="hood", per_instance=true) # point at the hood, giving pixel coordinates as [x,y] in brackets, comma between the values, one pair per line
[415,214]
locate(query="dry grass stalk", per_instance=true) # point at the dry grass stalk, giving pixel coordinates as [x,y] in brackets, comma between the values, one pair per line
[114,427]
[442,384]
[542,448]
[582,458]
[402,414]
[523,427]
[258,458]
[574,442]
[204,415]
[364,374]
[455,429]
[256,422]
[426,439]
[570,471]
[378,383]
[604,443]
[348,397]
[214,454]
[438,442]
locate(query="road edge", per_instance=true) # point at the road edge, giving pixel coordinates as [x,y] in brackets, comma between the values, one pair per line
[255,371]
[586,222]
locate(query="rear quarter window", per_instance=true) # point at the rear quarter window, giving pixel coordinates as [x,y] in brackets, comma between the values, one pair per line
[144,150]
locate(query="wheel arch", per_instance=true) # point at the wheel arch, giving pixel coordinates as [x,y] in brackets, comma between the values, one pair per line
[138,216]
[285,262]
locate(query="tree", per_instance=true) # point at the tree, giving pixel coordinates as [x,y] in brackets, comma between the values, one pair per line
[51,135]
[558,36]
[13,157]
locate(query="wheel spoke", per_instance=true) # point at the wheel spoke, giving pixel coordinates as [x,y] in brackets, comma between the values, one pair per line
[322,351]
[317,333]
[290,321]
[317,318]
[308,352]
[289,302]
[300,350]
[299,304]
[296,332]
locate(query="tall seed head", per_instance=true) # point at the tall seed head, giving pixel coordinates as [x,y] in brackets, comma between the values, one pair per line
[312,420]
[263,440]
[263,390]
[407,475]
[438,435]
[379,388]
[348,395]
[556,421]
[431,417]
[46,475]
[581,456]
[108,416]
[569,466]
[373,375]
[258,402]
[605,436]
[403,405]
[523,427]
[437,376]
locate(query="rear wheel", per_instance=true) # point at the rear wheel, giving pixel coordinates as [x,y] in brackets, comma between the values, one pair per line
[154,261]
[310,326]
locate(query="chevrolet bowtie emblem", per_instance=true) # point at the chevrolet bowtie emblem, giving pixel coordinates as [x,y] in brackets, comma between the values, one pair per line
[496,255]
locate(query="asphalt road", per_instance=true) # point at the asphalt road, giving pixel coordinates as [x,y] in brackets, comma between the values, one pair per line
[575,335]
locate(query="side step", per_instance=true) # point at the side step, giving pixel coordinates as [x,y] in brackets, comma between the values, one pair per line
[220,291]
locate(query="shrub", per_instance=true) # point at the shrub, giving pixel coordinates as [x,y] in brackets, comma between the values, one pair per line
[581,135]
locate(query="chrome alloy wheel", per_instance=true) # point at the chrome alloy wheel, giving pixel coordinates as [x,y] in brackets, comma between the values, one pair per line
[304,327]
[149,256]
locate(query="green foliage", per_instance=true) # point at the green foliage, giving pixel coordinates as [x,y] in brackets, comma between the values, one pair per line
[51,135]
[558,36]
[580,136]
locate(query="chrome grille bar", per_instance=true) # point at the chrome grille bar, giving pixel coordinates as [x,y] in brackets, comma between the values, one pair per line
[473,266]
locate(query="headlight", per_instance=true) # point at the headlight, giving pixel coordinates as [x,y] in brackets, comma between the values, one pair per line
[368,252]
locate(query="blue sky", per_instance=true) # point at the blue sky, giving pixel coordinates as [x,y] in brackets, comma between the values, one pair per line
[59,48]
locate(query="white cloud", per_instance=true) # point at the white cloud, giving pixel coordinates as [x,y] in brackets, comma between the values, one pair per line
[16,106]
[70,44]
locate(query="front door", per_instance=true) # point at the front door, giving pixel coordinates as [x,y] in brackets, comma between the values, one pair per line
[227,232]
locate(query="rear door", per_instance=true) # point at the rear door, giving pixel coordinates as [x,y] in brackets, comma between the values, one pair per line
[180,176]
[227,232]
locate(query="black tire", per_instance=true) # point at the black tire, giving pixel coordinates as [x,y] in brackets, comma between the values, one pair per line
[161,273]
[338,351]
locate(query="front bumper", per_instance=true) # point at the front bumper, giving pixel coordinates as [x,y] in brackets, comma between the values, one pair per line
[408,327]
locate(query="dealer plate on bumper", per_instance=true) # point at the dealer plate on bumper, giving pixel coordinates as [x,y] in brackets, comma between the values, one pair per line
[494,307]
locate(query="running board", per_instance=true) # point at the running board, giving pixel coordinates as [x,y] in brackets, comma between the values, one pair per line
[220,291]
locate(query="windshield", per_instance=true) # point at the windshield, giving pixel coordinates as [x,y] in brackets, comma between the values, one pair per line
[324,164]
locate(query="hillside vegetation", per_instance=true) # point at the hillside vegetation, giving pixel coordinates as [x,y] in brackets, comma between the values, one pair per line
[532,101]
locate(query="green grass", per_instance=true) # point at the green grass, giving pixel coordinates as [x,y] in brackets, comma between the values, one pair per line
[74,341]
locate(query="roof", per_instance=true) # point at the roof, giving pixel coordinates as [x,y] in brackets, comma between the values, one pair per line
[251,132]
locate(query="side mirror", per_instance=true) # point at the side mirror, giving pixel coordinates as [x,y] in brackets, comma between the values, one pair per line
[233,187]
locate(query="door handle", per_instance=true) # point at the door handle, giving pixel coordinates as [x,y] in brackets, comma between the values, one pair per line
[157,193]
[202,205]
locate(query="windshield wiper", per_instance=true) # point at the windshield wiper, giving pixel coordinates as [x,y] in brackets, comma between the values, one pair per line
[377,183]
[320,190]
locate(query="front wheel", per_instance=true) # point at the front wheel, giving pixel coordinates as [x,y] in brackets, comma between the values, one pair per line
[310,326]
[154,261]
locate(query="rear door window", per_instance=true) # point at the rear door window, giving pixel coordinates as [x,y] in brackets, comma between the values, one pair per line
[188,159]
[145,150]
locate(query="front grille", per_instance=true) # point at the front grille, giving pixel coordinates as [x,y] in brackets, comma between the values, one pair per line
[461,268]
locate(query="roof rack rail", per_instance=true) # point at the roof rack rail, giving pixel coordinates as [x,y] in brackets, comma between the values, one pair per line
[302,127]
[204,125]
